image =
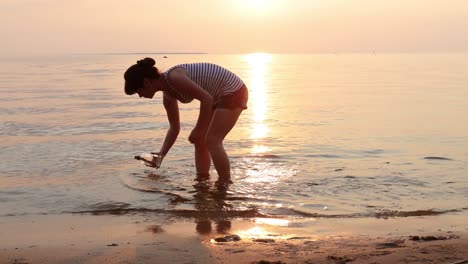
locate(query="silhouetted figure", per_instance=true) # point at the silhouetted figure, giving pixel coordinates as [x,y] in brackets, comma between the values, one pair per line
[222,95]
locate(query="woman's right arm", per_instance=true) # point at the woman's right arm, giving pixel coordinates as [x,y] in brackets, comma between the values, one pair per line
[172,110]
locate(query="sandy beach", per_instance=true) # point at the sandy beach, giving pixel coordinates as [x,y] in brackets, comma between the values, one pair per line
[143,239]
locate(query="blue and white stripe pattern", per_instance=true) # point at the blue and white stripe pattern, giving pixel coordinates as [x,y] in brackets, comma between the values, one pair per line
[216,80]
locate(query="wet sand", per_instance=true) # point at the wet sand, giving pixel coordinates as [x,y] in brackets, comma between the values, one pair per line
[348,250]
[148,239]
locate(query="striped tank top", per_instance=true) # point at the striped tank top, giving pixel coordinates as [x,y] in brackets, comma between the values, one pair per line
[214,79]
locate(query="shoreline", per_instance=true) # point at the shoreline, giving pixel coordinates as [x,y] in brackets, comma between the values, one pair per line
[149,238]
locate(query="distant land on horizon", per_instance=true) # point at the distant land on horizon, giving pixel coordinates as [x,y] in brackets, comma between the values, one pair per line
[143,53]
[375,52]
[337,53]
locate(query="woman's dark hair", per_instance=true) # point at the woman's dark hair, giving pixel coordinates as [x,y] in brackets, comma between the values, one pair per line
[135,75]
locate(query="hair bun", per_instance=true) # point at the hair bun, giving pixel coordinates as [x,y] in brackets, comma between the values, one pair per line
[146,62]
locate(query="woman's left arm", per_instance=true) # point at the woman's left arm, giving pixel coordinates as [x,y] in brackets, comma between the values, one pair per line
[179,78]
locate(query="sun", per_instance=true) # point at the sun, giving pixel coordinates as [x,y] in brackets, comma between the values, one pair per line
[260,6]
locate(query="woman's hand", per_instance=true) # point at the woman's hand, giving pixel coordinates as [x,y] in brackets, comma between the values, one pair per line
[157,159]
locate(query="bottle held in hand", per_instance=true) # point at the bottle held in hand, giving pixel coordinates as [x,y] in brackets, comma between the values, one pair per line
[150,160]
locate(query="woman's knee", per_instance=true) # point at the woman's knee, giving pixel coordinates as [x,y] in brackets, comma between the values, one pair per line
[201,147]
[213,143]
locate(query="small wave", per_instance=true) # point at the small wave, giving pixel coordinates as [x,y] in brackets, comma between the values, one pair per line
[374,151]
[326,156]
[436,158]
[174,198]
[109,206]
[390,213]
[186,213]
[317,215]
[380,214]
[264,156]
[123,115]
[28,110]
[11,128]
[94,71]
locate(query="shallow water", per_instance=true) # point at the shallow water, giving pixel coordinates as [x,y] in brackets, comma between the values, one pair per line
[333,135]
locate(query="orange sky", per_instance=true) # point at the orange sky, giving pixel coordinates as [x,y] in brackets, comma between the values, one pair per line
[233,26]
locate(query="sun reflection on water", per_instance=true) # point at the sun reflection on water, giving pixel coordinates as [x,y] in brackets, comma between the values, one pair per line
[266,228]
[259,64]
[264,172]
[272,221]
[260,149]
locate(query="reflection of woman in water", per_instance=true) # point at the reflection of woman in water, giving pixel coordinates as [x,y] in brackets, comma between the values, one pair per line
[222,95]
[212,204]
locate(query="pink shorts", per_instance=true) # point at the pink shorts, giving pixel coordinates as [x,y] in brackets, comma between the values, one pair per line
[238,99]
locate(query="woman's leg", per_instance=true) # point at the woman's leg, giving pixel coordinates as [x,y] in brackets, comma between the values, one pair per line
[202,159]
[222,121]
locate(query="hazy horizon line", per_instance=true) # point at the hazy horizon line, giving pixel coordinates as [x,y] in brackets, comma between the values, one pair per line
[227,53]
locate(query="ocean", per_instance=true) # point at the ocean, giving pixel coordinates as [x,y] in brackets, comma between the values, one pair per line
[325,136]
